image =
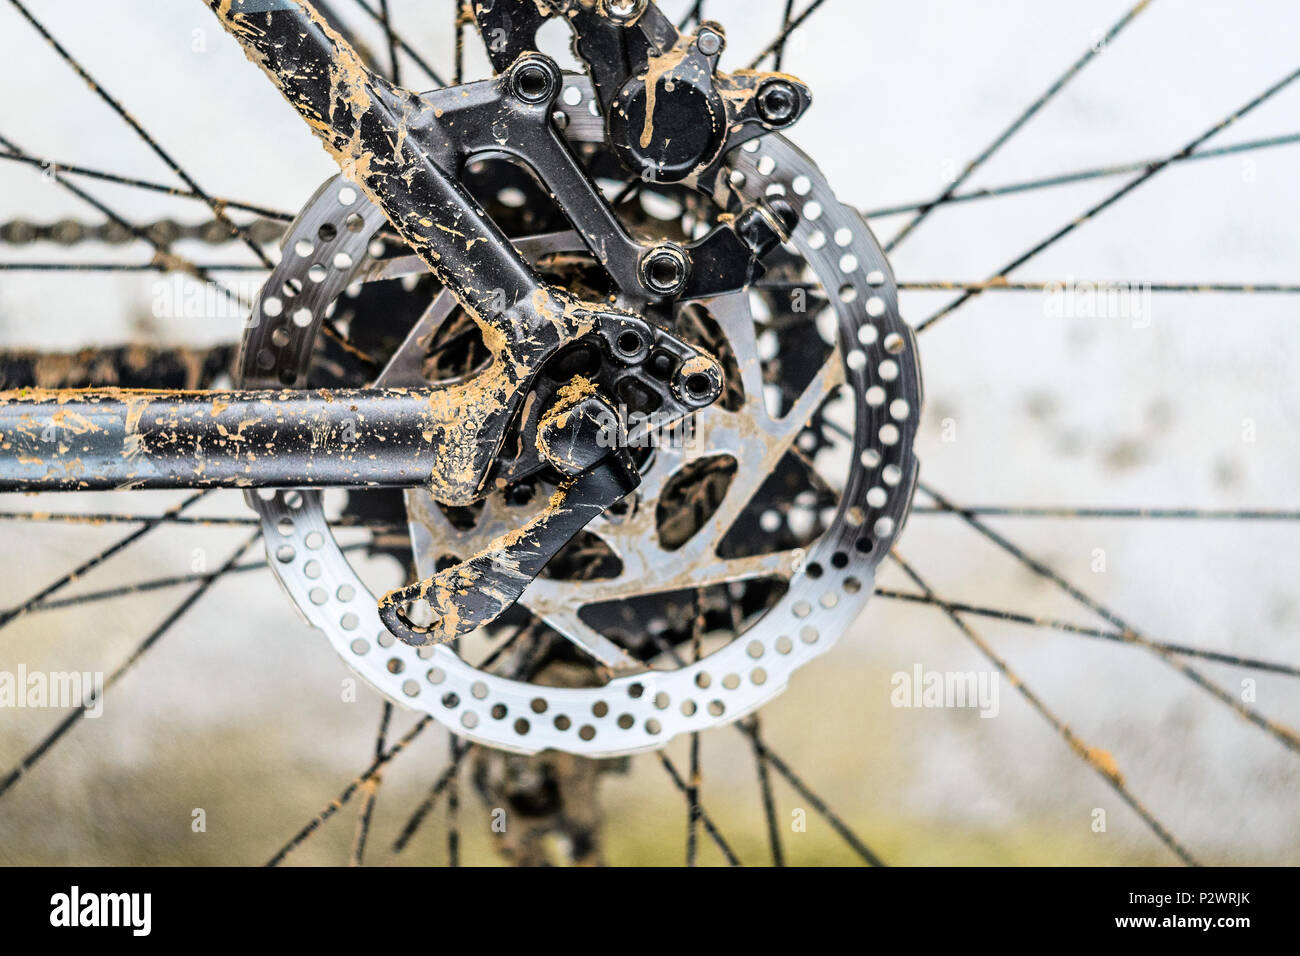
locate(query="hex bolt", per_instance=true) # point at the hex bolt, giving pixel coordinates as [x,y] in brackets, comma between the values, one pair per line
[777,102]
[624,9]
[710,40]
[664,269]
[698,382]
[532,82]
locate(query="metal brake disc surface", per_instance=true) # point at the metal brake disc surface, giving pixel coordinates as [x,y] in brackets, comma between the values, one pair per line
[872,366]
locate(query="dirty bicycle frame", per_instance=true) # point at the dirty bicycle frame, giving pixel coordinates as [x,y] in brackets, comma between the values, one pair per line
[405,150]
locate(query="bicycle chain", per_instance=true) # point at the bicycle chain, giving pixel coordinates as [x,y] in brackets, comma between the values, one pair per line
[72,232]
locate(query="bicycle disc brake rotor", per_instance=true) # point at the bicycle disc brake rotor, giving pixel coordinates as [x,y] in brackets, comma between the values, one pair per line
[791,556]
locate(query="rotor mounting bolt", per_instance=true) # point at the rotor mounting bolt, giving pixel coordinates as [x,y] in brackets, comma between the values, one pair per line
[664,270]
[533,81]
[710,40]
[778,102]
[698,382]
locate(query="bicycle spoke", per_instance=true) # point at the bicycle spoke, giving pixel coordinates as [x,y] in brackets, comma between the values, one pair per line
[1099,760]
[51,517]
[786,14]
[1005,285]
[75,170]
[693,809]
[460,21]
[630,188]
[405,47]
[158,584]
[1068,627]
[427,804]
[821,806]
[54,517]
[163,254]
[326,8]
[1002,285]
[394,67]
[1284,735]
[694,15]
[785,33]
[769,804]
[1001,139]
[1144,514]
[698,811]
[141,587]
[158,265]
[350,791]
[453,805]
[780,766]
[509,642]
[70,720]
[371,788]
[695,813]
[1115,197]
[1065,179]
[8,616]
[217,209]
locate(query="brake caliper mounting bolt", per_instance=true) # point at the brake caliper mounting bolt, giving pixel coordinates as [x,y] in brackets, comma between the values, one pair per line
[778,102]
[710,39]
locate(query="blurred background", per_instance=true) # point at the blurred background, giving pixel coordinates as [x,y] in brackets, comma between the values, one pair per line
[238,711]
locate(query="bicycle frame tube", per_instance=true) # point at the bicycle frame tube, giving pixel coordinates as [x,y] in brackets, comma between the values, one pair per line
[376,133]
[109,439]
